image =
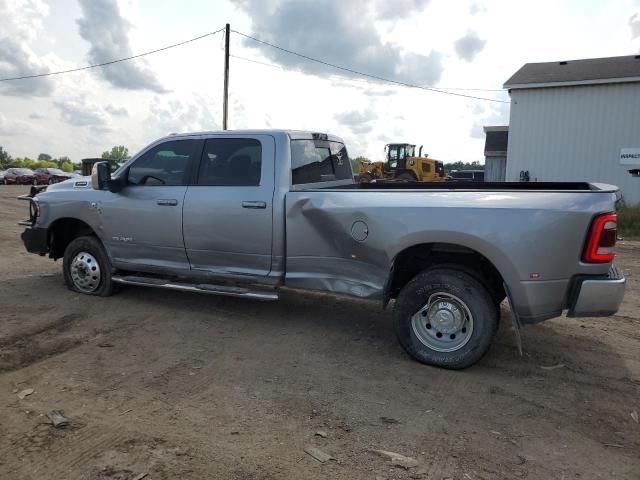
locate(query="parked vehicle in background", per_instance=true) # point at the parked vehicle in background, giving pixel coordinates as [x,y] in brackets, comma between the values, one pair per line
[2,172]
[467,175]
[49,176]
[19,176]
[243,213]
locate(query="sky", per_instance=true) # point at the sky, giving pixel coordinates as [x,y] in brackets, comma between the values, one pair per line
[474,45]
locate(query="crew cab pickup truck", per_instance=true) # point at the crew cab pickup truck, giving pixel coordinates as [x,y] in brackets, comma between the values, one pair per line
[244,213]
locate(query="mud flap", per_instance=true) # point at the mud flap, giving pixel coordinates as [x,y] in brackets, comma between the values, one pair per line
[515,319]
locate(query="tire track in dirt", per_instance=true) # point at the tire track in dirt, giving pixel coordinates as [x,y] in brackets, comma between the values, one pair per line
[69,457]
[26,348]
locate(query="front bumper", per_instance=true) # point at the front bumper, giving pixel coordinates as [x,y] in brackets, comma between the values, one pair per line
[597,296]
[35,240]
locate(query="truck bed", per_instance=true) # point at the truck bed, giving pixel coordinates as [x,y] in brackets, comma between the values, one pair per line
[490,186]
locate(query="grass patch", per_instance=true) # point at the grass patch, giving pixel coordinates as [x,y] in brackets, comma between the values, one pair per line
[629,222]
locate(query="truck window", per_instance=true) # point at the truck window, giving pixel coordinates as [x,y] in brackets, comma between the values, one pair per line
[314,161]
[166,164]
[230,162]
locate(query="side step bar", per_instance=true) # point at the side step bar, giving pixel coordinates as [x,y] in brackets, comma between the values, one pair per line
[229,291]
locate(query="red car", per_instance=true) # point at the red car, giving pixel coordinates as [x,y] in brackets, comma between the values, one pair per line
[49,176]
[19,176]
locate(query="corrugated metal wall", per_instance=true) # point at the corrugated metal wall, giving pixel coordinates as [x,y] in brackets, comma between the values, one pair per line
[575,133]
[494,169]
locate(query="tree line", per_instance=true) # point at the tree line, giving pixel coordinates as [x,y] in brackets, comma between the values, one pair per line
[115,156]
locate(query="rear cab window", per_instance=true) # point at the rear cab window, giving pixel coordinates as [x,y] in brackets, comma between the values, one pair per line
[319,160]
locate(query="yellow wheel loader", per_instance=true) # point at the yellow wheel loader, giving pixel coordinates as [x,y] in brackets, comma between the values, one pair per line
[401,163]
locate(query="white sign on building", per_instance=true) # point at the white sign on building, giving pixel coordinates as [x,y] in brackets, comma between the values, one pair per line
[630,156]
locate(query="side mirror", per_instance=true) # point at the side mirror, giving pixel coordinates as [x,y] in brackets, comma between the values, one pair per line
[101,176]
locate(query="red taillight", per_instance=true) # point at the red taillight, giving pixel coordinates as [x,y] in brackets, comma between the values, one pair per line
[601,239]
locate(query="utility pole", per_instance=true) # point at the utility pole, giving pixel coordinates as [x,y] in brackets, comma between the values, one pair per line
[225,105]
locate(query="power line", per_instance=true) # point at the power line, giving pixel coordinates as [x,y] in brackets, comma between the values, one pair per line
[111,62]
[256,61]
[474,89]
[356,72]
[273,65]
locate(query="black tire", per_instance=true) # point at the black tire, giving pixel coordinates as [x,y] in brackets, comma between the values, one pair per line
[407,177]
[91,245]
[474,295]
[365,177]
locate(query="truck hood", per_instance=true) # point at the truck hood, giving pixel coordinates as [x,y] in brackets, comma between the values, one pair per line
[80,183]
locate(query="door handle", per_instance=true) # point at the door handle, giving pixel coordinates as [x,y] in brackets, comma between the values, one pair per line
[254,204]
[170,202]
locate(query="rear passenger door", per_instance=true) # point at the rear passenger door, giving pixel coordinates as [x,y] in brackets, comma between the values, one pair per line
[227,219]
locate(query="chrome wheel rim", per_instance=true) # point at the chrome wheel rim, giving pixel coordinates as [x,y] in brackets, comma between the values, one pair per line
[444,323]
[85,272]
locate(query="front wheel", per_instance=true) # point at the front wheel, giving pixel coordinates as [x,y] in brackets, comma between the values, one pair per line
[365,177]
[407,177]
[86,267]
[445,317]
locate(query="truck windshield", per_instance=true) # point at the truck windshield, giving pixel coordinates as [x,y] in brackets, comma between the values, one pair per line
[314,161]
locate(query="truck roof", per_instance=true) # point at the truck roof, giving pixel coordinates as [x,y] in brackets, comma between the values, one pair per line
[293,134]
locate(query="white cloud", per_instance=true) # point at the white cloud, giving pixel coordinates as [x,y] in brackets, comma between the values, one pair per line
[358,122]
[327,31]
[476,8]
[117,111]
[397,9]
[355,117]
[180,114]
[497,114]
[21,23]
[469,45]
[81,113]
[13,127]
[634,23]
[106,30]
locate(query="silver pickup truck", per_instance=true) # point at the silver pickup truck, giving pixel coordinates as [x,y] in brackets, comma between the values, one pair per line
[244,213]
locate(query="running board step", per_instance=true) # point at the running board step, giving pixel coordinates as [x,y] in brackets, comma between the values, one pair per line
[230,291]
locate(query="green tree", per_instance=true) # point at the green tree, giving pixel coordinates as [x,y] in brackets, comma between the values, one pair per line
[45,156]
[66,166]
[5,158]
[45,164]
[28,163]
[475,165]
[61,160]
[118,154]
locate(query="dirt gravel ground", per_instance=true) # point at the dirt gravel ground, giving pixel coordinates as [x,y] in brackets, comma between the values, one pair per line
[177,385]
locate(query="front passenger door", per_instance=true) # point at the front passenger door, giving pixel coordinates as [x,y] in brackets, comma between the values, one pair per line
[143,222]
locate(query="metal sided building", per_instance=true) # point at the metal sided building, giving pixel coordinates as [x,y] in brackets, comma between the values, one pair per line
[577,120]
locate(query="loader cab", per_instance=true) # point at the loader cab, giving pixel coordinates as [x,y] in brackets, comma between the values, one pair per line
[396,155]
